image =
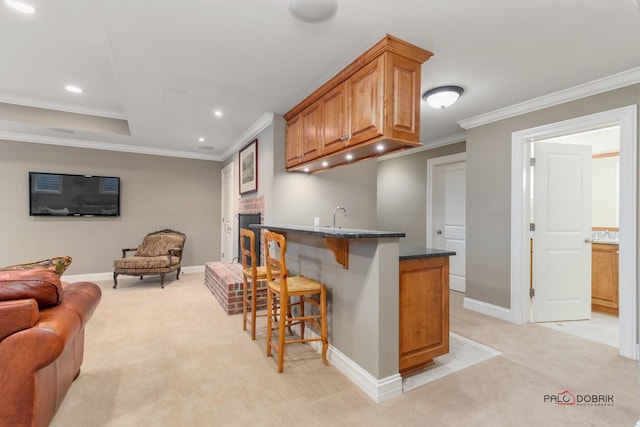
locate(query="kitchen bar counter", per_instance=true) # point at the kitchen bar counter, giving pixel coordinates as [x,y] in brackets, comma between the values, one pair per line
[328,231]
[415,252]
[377,328]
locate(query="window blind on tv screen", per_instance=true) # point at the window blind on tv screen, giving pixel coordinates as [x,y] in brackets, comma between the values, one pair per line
[73,195]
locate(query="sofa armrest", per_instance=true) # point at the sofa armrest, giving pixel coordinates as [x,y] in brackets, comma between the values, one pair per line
[17,315]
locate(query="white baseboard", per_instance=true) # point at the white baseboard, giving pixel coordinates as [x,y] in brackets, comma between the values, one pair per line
[94,277]
[488,309]
[379,390]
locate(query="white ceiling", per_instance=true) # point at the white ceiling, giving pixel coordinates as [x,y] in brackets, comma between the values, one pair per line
[165,66]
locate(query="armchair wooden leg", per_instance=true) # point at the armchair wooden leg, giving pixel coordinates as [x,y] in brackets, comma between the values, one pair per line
[178,274]
[115,280]
[162,280]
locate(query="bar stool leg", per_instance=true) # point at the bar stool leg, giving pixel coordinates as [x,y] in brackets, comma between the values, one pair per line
[254,294]
[325,335]
[281,332]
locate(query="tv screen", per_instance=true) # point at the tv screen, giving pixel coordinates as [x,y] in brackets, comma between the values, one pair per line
[73,195]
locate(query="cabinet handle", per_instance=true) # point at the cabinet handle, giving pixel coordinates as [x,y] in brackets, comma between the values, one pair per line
[344,138]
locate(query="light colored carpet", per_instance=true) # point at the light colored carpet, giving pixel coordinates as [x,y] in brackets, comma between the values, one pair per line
[463,353]
[172,357]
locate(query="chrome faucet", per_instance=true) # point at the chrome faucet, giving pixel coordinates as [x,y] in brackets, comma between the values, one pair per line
[339,208]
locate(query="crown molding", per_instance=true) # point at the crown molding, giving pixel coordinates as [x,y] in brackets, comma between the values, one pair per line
[39,103]
[261,124]
[96,145]
[615,81]
[439,142]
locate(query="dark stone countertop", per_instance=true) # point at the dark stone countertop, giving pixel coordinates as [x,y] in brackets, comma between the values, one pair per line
[347,233]
[416,252]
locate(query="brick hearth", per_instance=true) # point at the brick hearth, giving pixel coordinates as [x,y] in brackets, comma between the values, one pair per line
[225,283]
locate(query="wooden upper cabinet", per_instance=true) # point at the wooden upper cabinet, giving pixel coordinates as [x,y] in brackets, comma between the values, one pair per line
[374,99]
[311,132]
[335,120]
[366,97]
[293,142]
[403,90]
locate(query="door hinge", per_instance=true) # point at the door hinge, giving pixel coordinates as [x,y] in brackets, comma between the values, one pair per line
[532,161]
[532,292]
[532,226]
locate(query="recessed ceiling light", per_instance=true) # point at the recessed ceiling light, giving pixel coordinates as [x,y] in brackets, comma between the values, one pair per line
[306,169]
[325,164]
[73,89]
[380,147]
[313,11]
[20,6]
[349,156]
[217,113]
[201,139]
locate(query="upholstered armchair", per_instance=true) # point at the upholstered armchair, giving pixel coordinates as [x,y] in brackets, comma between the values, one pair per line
[160,253]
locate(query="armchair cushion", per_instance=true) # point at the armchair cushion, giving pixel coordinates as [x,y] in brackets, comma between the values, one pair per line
[159,244]
[41,284]
[145,262]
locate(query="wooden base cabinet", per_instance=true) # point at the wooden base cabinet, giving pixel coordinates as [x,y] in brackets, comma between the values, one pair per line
[424,312]
[604,278]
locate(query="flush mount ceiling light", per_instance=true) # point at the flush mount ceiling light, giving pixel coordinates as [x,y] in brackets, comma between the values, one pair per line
[20,6]
[313,11]
[443,96]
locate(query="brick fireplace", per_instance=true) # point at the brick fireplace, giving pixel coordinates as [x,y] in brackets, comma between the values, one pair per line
[225,280]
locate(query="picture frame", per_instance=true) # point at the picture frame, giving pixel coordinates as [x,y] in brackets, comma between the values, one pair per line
[248,169]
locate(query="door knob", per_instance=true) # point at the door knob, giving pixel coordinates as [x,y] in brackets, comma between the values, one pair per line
[438,231]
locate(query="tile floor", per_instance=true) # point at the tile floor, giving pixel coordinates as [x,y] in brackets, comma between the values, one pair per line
[602,328]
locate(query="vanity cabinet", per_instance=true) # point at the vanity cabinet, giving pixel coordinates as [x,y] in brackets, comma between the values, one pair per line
[423,311]
[375,99]
[604,278]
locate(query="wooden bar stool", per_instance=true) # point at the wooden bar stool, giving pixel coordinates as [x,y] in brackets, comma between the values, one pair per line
[252,298]
[281,288]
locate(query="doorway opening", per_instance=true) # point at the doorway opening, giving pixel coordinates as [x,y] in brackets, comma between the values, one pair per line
[446,212]
[595,274]
[626,119]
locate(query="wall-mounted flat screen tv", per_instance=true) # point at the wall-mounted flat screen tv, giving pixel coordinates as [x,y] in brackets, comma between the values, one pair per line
[73,195]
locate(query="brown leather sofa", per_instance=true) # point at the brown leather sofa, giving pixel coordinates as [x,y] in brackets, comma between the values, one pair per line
[41,342]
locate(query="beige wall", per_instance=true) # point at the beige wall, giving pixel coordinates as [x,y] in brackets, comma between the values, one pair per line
[488,190]
[157,192]
[299,197]
[402,193]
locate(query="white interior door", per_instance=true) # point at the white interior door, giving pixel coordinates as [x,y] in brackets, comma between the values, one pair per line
[562,236]
[227,214]
[449,217]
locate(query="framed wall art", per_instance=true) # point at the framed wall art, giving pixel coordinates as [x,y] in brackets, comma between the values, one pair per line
[249,168]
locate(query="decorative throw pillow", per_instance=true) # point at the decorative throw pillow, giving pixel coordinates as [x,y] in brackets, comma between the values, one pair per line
[57,264]
[41,284]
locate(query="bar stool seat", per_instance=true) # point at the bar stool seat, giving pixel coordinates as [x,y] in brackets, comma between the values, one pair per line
[280,289]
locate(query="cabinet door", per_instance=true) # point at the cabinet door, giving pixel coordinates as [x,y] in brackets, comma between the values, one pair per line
[335,122]
[311,132]
[366,95]
[293,141]
[424,312]
[604,278]
[403,93]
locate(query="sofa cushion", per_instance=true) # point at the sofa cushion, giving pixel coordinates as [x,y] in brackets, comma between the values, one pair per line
[57,264]
[41,284]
